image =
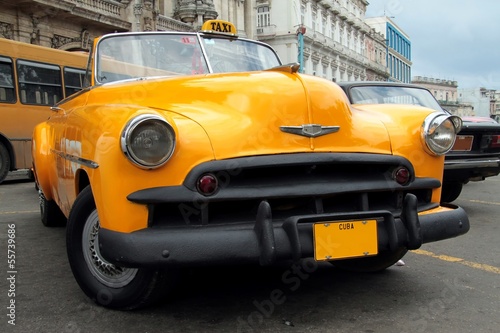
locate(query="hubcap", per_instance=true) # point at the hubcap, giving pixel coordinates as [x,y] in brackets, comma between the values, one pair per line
[41,200]
[107,273]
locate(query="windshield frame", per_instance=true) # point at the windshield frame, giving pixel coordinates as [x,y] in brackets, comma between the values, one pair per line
[266,57]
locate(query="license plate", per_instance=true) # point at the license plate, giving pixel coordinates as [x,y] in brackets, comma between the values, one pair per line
[345,239]
[463,143]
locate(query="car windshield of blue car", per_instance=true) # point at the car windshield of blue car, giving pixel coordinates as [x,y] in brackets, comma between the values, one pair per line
[393,95]
[131,56]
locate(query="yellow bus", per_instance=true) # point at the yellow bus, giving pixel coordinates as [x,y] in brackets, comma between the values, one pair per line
[32,79]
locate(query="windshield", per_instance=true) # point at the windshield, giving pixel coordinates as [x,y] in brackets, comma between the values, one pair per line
[393,95]
[128,56]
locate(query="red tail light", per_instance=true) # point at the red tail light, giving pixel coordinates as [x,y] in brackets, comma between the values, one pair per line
[495,141]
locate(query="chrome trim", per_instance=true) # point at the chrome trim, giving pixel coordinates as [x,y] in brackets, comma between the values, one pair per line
[56,109]
[437,118]
[287,68]
[468,163]
[457,123]
[125,138]
[76,159]
[310,130]
[20,139]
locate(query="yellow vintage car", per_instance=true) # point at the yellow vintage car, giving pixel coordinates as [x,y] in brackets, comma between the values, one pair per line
[203,148]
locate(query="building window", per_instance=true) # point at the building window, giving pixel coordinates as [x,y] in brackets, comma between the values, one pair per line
[263,16]
[315,21]
[7,89]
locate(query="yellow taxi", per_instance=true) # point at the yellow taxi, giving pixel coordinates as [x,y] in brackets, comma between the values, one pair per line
[202,148]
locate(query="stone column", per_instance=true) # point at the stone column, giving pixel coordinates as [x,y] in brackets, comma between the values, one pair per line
[249,14]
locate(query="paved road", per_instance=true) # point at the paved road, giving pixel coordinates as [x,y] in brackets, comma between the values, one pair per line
[449,286]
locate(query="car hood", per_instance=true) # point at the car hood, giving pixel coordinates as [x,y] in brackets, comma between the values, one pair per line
[259,113]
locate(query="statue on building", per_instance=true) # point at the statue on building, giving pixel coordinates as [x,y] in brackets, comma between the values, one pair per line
[146,15]
[6,30]
[195,12]
[35,34]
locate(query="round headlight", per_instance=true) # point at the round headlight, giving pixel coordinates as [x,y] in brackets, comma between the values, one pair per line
[148,141]
[439,133]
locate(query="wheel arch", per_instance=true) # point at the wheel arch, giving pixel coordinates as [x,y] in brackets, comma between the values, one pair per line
[82,180]
[41,161]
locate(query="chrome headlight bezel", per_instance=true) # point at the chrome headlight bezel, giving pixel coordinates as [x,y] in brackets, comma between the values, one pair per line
[439,132]
[149,122]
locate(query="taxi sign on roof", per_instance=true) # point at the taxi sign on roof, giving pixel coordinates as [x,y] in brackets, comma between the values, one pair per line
[219,27]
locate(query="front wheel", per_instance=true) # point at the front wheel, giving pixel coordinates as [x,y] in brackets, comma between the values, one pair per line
[451,191]
[107,284]
[4,162]
[371,264]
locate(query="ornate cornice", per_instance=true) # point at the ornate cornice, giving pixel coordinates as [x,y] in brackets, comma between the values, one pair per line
[58,41]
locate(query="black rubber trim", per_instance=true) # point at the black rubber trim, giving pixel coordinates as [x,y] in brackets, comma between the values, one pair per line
[233,166]
[264,241]
[264,230]
[169,194]
[411,222]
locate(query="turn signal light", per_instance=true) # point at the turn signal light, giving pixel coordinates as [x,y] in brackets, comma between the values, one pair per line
[401,176]
[207,184]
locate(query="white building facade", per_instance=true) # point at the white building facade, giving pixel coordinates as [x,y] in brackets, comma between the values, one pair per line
[482,100]
[335,42]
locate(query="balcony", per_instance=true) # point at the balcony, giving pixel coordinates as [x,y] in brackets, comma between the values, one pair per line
[338,48]
[343,14]
[267,31]
[327,3]
[376,67]
[169,24]
[447,101]
[109,13]
[351,19]
[110,7]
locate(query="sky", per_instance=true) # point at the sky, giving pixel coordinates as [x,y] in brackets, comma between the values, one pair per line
[455,40]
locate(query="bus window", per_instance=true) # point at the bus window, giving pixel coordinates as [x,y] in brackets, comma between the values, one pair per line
[73,80]
[39,83]
[7,92]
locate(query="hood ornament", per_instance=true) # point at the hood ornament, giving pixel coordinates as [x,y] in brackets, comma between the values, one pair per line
[310,130]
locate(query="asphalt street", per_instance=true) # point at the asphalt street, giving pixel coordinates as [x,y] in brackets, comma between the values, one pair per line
[447,286]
